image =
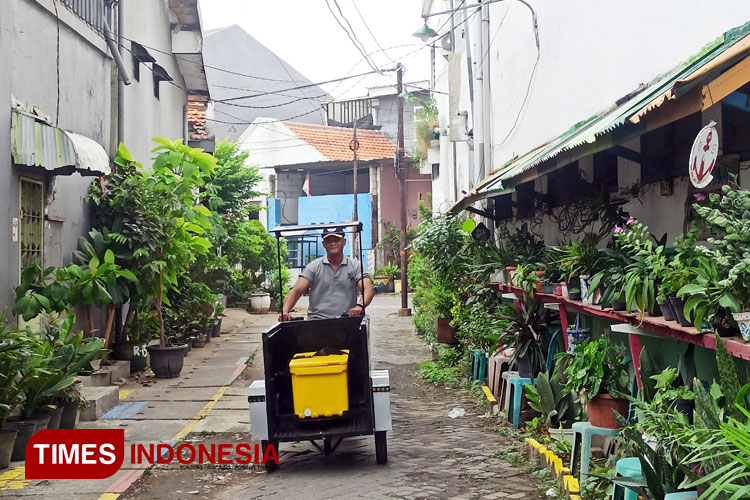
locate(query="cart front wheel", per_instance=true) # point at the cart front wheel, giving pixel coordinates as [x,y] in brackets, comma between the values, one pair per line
[270,464]
[381,447]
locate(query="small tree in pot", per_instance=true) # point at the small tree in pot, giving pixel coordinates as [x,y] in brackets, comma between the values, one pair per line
[596,370]
[527,328]
[161,222]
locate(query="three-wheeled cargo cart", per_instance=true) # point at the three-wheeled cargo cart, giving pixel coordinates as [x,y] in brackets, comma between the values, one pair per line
[318,384]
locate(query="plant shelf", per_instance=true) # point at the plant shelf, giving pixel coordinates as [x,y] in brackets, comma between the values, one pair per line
[655,325]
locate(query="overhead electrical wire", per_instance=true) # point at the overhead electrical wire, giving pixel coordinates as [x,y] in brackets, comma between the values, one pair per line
[354,3]
[351,34]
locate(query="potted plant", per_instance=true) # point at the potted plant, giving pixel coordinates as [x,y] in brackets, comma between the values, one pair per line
[596,371]
[443,299]
[726,216]
[58,359]
[384,278]
[559,407]
[218,316]
[576,260]
[607,283]
[176,222]
[143,327]
[527,327]
[16,350]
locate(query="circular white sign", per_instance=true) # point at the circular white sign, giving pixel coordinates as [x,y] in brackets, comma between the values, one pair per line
[703,156]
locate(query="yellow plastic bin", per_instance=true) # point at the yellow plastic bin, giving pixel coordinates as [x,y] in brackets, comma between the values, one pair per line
[320,384]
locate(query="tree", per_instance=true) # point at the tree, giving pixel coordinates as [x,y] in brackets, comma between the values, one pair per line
[236,184]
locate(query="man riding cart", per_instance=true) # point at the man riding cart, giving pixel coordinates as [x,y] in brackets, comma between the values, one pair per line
[318,384]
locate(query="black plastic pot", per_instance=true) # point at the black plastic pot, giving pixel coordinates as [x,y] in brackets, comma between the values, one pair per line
[666,310]
[166,362]
[7,439]
[41,421]
[524,367]
[69,418]
[54,412]
[216,329]
[25,429]
[574,284]
[686,407]
[656,311]
[678,306]
[618,306]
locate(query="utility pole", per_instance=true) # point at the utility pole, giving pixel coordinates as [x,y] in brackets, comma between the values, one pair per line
[354,146]
[401,173]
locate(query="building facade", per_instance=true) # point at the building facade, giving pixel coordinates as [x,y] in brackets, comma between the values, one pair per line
[66,107]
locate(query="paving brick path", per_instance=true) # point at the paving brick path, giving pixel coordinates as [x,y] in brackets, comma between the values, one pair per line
[429,454]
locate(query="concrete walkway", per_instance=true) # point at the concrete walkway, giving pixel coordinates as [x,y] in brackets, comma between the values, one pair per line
[156,411]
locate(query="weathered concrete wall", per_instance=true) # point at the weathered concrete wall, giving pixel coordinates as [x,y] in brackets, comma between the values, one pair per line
[416,185]
[145,116]
[29,52]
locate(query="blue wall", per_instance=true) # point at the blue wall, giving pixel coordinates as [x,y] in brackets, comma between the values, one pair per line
[274,212]
[337,208]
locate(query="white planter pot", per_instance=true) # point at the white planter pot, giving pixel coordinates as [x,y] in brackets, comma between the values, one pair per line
[560,434]
[743,321]
[260,303]
[586,296]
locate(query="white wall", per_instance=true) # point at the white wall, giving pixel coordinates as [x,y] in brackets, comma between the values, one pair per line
[145,117]
[592,53]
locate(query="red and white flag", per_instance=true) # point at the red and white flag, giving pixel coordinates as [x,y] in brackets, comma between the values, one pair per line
[306,185]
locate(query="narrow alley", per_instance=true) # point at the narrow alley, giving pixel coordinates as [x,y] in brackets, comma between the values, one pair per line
[429,454]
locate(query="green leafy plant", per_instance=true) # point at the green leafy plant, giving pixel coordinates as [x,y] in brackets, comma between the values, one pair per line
[156,216]
[16,350]
[55,363]
[596,366]
[727,217]
[389,270]
[559,407]
[579,258]
[527,325]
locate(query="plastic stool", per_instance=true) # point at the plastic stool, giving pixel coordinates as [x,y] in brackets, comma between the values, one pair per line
[627,467]
[584,432]
[682,495]
[513,394]
[496,366]
[479,365]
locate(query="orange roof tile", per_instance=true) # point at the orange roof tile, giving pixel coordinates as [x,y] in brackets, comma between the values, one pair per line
[333,142]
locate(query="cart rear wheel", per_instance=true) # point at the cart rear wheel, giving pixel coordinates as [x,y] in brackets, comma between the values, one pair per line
[270,464]
[381,447]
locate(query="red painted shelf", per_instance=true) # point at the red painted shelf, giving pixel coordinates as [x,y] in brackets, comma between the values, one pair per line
[735,345]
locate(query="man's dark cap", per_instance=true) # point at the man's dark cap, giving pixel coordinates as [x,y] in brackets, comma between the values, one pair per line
[333,231]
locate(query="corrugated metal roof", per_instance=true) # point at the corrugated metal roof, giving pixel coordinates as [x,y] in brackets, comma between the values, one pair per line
[634,105]
[37,144]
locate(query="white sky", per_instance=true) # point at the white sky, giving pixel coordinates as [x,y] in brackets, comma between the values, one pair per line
[305,34]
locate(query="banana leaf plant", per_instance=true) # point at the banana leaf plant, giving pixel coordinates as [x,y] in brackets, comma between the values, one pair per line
[16,350]
[55,364]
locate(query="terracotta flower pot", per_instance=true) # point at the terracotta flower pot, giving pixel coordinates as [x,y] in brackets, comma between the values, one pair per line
[600,410]
[446,334]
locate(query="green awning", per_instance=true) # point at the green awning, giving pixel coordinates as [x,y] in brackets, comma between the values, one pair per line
[595,130]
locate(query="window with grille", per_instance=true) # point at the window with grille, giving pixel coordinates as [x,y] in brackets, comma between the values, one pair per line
[31,221]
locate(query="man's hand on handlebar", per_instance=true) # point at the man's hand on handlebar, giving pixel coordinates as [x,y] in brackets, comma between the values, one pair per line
[285,317]
[357,310]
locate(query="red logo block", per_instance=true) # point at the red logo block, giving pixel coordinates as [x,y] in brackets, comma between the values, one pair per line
[75,453]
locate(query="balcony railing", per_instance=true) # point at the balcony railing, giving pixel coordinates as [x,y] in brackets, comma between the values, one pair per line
[92,12]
